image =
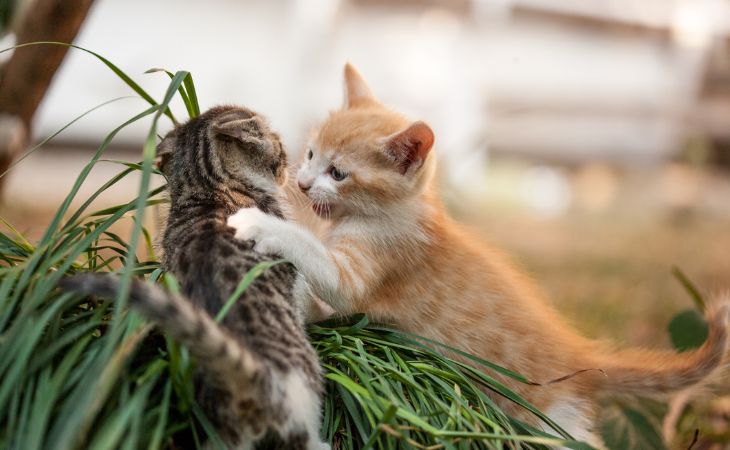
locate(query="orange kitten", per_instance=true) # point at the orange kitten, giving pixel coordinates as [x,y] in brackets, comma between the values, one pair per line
[392,252]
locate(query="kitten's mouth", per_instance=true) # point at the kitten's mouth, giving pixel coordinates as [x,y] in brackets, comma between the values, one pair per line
[322,209]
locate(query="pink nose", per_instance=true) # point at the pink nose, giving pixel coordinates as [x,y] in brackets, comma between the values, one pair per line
[303,187]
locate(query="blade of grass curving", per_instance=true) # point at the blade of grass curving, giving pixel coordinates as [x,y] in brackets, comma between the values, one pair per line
[7,303]
[215,440]
[43,406]
[59,131]
[187,92]
[25,335]
[163,412]
[148,241]
[117,71]
[20,240]
[61,261]
[428,402]
[148,154]
[25,407]
[385,419]
[347,392]
[42,396]
[72,222]
[47,283]
[245,282]
[192,95]
[182,90]
[690,288]
[113,209]
[112,431]
[90,394]
[492,383]
[89,406]
[67,338]
[415,340]
[11,416]
[46,240]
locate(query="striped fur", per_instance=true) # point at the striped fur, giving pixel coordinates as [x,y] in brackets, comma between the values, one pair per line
[222,356]
[259,377]
[389,249]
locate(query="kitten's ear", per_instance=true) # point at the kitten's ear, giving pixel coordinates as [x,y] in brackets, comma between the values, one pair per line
[246,131]
[410,147]
[164,152]
[356,89]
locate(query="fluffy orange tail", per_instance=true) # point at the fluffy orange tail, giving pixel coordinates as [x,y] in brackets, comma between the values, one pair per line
[657,372]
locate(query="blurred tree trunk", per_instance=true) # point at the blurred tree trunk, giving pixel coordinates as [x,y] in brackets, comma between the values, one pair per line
[25,78]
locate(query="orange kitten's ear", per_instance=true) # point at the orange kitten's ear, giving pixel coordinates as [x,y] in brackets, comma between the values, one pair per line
[356,89]
[410,147]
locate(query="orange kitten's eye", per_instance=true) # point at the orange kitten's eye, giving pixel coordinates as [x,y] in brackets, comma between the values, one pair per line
[310,154]
[337,174]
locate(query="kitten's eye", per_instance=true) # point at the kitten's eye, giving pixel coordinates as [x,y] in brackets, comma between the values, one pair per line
[337,174]
[310,154]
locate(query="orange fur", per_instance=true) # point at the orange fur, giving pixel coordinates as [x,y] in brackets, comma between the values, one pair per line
[403,261]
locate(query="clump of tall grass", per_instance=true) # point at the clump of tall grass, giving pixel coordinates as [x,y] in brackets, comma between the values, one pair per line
[78,372]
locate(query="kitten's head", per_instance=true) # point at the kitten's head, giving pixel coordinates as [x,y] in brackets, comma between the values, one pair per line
[365,158]
[227,147]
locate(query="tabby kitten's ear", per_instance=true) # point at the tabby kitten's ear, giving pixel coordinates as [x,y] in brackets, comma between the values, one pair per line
[357,90]
[410,147]
[247,131]
[164,152]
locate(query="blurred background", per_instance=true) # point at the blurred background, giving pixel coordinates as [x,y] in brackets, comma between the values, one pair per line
[590,139]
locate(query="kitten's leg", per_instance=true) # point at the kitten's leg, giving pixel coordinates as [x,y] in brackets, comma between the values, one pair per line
[304,407]
[321,268]
[309,306]
[577,418]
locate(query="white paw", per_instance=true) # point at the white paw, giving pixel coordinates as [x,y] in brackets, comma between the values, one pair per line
[249,223]
[268,244]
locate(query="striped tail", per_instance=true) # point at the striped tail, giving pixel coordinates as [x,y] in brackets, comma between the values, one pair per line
[219,354]
[659,372]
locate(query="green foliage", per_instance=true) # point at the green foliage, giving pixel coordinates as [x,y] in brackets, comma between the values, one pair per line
[389,390]
[632,424]
[636,423]
[688,330]
[79,372]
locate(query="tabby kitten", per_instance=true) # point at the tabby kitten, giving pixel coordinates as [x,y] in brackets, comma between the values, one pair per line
[391,251]
[260,380]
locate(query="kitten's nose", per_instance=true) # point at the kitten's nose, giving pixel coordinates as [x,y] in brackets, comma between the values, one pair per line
[303,187]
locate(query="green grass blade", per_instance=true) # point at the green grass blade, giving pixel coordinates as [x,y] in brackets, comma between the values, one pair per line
[117,71]
[59,131]
[245,282]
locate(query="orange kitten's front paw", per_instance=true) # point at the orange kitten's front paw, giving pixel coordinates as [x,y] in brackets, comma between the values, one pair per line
[316,310]
[268,245]
[253,224]
[248,222]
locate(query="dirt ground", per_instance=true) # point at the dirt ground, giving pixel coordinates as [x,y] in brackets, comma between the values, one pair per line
[609,268]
